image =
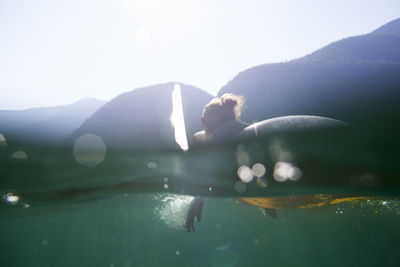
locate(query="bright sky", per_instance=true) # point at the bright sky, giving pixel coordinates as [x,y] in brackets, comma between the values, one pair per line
[57,52]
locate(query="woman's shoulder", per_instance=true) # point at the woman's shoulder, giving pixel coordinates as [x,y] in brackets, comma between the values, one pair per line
[223,133]
[201,137]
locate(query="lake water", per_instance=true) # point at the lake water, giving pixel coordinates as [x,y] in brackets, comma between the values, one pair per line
[335,195]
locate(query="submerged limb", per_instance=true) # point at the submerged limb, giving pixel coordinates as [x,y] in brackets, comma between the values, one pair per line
[270,212]
[196,206]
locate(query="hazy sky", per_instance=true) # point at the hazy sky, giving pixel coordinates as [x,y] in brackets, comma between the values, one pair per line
[57,52]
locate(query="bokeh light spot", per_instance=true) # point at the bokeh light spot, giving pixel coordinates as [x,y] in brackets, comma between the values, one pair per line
[258,169]
[89,150]
[245,174]
[284,171]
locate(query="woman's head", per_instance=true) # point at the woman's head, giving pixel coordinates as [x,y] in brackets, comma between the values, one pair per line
[222,109]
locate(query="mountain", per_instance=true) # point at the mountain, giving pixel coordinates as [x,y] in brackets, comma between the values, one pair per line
[141,118]
[391,28]
[50,124]
[356,79]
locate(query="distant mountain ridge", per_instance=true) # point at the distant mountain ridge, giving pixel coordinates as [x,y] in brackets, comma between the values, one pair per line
[48,124]
[356,79]
[369,47]
[351,79]
[391,28]
[381,44]
[141,118]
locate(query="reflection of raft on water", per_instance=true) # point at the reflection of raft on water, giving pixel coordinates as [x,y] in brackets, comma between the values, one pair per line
[301,202]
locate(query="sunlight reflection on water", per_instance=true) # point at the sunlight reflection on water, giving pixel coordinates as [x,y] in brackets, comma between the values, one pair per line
[11,198]
[19,155]
[173,209]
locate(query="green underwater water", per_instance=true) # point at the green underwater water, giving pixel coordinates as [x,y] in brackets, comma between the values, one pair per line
[130,208]
[130,230]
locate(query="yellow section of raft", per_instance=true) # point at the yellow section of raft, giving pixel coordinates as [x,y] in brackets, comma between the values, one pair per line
[300,202]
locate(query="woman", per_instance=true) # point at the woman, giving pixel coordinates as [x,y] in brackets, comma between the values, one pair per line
[221,120]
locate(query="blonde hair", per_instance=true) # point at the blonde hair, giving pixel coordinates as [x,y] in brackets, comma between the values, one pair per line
[227,107]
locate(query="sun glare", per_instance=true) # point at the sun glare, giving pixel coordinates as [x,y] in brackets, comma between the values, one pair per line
[177,119]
